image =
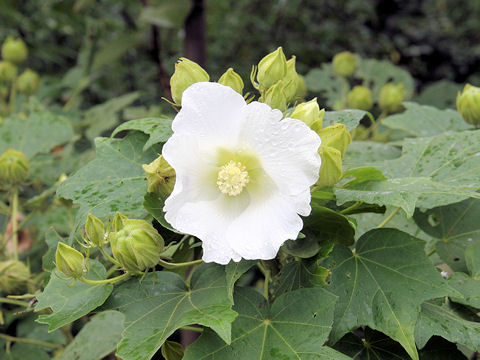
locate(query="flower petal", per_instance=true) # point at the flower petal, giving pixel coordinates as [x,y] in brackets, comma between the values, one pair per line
[212,112]
[260,230]
[288,148]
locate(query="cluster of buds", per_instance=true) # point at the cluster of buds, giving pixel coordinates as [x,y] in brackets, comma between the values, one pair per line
[335,140]
[135,246]
[277,80]
[14,53]
[468,104]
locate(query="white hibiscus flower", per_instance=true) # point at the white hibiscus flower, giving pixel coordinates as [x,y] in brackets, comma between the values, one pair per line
[243,174]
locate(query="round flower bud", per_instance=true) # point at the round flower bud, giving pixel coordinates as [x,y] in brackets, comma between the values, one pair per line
[360,97]
[344,63]
[14,167]
[336,136]
[137,245]
[331,168]
[232,79]
[69,261]
[14,50]
[8,71]
[271,69]
[310,113]
[28,82]
[14,276]
[160,176]
[117,221]
[95,230]
[468,104]
[275,97]
[292,80]
[391,97]
[186,73]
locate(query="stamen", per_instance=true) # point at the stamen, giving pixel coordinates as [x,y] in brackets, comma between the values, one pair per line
[232,178]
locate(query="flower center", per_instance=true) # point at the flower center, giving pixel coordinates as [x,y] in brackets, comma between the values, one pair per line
[232,178]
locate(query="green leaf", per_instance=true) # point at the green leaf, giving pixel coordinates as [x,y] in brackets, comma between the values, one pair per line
[27,352]
[431,172]
[104,116]
[376,345]
[468,287]
[159,129]
[113,181]
[70,302]
[38,133]
[295,327]
[298,274]
[326,225]
[441,94]
[324,81]
[165,13]
[304,247]
[438,318]
[382,284]
[172,350]
[456,226]
[362,174]
[233,271]
[349,118]
[163,303]
[472,258]
[113,49]
[153,203]
[97,339]
[421,120]
[48,259]
[376,73]
[364,153]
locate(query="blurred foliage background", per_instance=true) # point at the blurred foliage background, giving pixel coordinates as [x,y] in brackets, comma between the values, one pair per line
[105,48]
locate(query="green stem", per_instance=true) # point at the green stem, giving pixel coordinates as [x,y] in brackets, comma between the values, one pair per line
[431,252]
[14,222]
[349,209]
[111,259]
[106,281]
[265,285]
[192,328]
[388,218]
[14,302]
[29,341]
[374,126]
[177,265]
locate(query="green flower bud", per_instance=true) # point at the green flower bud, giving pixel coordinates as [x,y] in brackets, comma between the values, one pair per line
[14,50]
[344,63]
[360,97]
[14,167]
[28,82]
[8,71]
[331,168]
[69,261]
[292,80]
[232,79]
[301,87]
[160,176]
[336,136]
[95,230]
[310,113]
[186,73]
[137,245]
[468,104]
[275,97]
[14,276]
[271,69]
[117,222]
[391,97]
